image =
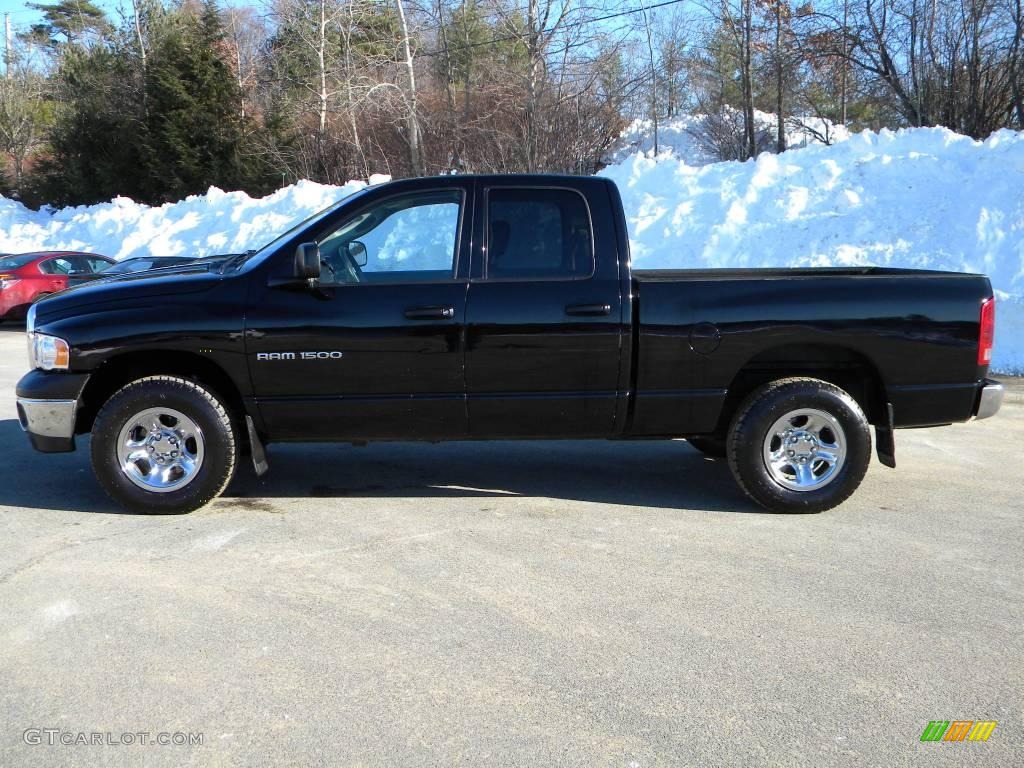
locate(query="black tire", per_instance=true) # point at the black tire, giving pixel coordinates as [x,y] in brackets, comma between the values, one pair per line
[220,445]
[712,447]
[750,429]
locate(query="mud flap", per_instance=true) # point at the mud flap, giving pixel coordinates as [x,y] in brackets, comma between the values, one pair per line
[885,441]
[259,456]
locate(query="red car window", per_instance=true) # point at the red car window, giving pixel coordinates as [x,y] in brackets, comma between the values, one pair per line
[61,265]
[79,265]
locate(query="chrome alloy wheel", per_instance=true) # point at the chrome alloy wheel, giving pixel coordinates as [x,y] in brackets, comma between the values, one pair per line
[160,449]
[805,449]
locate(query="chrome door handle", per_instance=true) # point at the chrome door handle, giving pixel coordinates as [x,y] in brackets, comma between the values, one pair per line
[430,313]
[588,310]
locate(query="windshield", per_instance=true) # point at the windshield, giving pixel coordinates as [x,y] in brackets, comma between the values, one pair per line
[257,256]
[14,262]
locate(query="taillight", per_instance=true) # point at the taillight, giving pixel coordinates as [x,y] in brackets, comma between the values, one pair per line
[987,331]
[7,281]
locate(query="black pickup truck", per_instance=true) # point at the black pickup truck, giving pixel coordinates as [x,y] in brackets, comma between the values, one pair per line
[498,307]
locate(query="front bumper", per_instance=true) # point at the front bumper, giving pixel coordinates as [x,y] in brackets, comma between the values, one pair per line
[990,399]
[48,406]
[50,424]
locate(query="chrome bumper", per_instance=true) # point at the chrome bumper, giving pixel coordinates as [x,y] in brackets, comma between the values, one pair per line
[990,400]
[50,423]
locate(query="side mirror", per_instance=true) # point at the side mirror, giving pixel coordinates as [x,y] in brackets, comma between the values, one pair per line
[357,252]
[307,261]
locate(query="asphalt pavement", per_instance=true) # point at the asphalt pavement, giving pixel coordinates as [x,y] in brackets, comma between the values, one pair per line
[513,603]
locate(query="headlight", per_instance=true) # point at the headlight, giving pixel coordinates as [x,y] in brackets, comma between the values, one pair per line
[48,352]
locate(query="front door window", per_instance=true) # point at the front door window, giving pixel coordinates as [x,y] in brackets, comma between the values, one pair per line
[407,239]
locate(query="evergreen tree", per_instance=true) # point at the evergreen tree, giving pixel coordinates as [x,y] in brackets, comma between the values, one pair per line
[71,21]
[95,142]
[195,135]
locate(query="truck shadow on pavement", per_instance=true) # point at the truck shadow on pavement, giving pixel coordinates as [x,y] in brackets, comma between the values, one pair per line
[664,474]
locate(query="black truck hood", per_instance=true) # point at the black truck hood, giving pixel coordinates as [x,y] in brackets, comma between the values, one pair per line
[80,299]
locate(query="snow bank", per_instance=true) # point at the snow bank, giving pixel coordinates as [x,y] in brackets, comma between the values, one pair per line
[217,222]
[685,137]
[925,197]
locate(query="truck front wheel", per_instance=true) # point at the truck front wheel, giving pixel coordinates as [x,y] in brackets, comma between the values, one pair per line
[799,445]
[163,445]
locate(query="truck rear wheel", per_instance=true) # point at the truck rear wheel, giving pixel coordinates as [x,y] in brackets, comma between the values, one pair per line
[163,445]
[799,445]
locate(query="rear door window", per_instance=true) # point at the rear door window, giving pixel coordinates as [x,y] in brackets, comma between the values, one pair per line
[61,265]
[538,234]
[79,265]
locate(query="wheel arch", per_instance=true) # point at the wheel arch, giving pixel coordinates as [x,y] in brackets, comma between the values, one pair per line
[130,366]
[840,365]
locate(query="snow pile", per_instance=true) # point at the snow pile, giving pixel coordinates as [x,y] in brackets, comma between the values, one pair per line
[925,198]
[687,137]
[217,222]
[681,137]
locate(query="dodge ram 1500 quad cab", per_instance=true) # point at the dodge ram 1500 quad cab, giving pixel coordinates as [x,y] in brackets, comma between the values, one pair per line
[498,307]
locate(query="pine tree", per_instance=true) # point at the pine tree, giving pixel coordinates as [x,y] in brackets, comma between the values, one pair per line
[96,139]
[71,21]
[195,135]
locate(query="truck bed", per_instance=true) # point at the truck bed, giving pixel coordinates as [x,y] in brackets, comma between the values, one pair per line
[701,334]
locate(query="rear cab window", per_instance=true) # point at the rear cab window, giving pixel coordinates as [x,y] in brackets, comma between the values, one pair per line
[538,234]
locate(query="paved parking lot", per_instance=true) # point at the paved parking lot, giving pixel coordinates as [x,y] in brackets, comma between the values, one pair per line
[558,603]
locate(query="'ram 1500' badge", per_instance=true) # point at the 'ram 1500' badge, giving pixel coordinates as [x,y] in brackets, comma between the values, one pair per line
[274,356]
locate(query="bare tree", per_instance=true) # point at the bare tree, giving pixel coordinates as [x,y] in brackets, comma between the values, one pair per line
[246,34]
[949,63]
[545,20]
[23,111]
[1016,66]
[736,19]
[412,121]
[780,14]
[674,36]
[654,75]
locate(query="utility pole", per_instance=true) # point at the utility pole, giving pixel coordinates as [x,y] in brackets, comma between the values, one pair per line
[7,46]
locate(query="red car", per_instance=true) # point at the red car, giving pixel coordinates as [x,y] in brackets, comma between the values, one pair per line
[27,277]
